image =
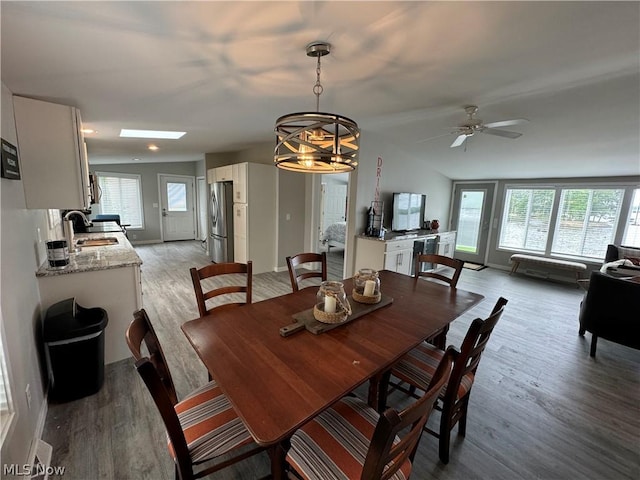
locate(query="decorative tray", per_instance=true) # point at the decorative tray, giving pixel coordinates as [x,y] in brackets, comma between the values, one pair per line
[305,319]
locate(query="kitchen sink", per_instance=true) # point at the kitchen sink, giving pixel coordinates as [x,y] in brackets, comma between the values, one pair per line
[97,242]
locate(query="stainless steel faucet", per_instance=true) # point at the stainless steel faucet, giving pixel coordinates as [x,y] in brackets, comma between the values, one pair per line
[68,228]
[78,212]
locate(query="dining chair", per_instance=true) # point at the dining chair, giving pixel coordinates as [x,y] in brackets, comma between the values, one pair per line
[351,440]
[454,263]
[202,426]
[305,259]
[220,288]
[418,367]
[439,339]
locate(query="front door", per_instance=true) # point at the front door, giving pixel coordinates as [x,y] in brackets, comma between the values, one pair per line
[471,218]
[178,212]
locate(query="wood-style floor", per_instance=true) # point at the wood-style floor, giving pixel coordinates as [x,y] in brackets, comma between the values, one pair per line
[540,407]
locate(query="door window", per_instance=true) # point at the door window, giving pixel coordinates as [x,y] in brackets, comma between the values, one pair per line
[176,197]
[469,221]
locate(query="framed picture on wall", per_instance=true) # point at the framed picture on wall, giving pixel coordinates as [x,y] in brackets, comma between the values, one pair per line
[10,165]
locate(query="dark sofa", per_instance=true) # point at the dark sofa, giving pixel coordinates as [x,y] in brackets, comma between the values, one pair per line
[611,310]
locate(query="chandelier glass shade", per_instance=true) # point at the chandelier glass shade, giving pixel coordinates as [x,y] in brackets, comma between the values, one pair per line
[316,142]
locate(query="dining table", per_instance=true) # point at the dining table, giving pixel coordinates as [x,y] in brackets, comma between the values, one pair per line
[277,383]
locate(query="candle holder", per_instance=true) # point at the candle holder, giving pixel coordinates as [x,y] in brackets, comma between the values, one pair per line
[331,305]
[366,286]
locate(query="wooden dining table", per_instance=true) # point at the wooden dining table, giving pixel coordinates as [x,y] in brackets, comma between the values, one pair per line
[277,383]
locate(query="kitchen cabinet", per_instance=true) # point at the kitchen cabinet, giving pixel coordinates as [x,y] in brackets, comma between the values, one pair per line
[397,254]
[394,255]
[108,277]
[399,260]
[220,174]
[255,220]
[240,182]
[52,154]
[447,244]
[240,228]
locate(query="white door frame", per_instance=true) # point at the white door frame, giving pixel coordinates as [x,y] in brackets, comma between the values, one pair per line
[313,218]
[200,185]
[489,211]
[193,200]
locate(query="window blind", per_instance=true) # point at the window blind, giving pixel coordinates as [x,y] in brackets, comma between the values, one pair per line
[587,221]
[526,219]
[122,195]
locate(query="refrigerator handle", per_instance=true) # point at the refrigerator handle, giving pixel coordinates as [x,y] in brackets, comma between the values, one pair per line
[214,210]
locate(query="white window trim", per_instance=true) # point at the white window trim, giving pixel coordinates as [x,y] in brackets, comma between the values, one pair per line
[8,415]
[623,213]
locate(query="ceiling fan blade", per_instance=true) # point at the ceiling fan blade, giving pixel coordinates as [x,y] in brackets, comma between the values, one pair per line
[459,140]
[501,133]
[506,123]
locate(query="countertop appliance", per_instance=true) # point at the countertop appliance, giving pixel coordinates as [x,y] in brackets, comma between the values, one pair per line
[221,222]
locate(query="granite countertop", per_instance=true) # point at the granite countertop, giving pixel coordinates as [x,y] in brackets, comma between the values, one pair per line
[88,259]
[390,236]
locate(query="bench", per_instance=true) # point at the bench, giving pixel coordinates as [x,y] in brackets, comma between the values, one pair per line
[519,258]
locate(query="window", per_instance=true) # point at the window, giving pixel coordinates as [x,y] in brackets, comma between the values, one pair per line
[526,218]
[631,237]
[6,407]
[567,221]
[469,221]
[176,197]
[121,194]
[587,221]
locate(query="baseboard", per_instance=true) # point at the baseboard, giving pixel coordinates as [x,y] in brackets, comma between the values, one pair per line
[42,416]
[40,461]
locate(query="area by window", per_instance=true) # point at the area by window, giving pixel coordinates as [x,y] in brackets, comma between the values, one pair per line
[121,194]
[566,221]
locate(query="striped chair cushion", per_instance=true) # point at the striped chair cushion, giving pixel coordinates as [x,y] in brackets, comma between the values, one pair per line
[334,444]
[210,424]
[419,365]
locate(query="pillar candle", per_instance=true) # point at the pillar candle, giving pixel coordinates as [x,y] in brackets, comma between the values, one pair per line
[329,304]
[369,288]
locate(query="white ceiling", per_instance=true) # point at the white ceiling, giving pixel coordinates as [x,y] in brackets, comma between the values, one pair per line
[224,71]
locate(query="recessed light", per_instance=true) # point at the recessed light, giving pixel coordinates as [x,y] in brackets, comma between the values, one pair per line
[125,132]
[89,131]
[153,147]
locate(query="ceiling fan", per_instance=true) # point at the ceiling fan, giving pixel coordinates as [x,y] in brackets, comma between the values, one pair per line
[474,125]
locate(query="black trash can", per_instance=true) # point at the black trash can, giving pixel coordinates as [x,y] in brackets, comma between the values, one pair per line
[74,349]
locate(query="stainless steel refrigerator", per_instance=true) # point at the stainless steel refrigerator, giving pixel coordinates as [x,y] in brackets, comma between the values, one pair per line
[221,222]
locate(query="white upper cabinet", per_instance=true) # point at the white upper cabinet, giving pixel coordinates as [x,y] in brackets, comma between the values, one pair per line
[220,174]
[52,155]
[240,182]
[224,174]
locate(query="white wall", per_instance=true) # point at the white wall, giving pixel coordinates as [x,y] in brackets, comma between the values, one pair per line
[150,190]
[21,254]
[400,173]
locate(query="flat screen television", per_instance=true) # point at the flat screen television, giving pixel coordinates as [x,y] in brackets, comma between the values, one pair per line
[408,211]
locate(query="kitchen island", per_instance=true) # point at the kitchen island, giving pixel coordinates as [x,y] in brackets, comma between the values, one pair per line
[106,276]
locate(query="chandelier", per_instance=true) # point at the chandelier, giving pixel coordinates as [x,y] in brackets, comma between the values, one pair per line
[316,142]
